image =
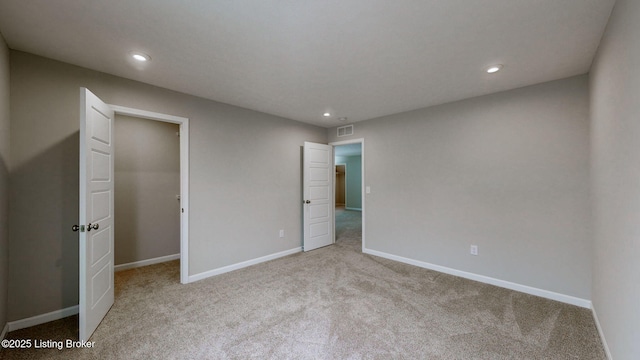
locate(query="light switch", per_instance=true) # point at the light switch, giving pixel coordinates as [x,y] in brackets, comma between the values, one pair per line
[367,189]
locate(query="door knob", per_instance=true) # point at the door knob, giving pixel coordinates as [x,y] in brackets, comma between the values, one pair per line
[92,226]
[75,228]
[308,202]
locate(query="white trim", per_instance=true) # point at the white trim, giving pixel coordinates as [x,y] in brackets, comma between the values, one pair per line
[44,318]
[604,341]
[487,280]
[362,186]
[184,201]
[354,209]
[184,176]
[141,263]
[5,330]
[122,110]
[244,264]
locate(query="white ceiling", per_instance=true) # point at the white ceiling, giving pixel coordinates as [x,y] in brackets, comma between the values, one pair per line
[359,59]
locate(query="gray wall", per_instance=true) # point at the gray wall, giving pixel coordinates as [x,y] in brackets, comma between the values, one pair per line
[147,180]
[4,180]
[615,139]
[244,178]
[508,172]
[354,180]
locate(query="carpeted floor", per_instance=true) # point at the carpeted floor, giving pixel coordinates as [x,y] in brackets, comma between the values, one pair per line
[348,226]
[330,303]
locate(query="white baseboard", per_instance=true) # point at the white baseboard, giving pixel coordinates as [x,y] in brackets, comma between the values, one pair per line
[142,263]
[225,269]
[44,318]
[604,341]
[5,330]
[485,279]
[354,209]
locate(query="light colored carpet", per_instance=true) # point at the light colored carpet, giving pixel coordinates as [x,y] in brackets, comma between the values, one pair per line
[330,303]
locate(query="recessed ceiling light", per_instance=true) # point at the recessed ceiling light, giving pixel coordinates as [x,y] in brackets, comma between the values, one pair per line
[494,68]
[326,114]
[343,118]
[140,56]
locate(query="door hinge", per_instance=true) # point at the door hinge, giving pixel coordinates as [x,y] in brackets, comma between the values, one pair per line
[182,210]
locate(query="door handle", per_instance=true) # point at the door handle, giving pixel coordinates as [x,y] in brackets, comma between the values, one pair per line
[75,228]
[307,202]
[92,226]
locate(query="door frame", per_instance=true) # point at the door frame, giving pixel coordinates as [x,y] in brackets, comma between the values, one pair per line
[184,176]
[362,186]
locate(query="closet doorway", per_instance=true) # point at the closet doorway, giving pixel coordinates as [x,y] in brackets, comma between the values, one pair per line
[147,192]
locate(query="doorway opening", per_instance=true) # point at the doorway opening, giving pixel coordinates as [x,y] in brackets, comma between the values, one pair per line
[96,205]
[349,215]
[147,192]
[182,197]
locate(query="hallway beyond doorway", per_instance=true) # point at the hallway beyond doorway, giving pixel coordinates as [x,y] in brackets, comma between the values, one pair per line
[349,227]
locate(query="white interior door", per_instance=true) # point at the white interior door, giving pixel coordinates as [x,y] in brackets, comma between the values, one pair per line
[318,174]
[96,211]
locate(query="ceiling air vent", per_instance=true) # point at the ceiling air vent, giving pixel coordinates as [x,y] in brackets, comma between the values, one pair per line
[345,130]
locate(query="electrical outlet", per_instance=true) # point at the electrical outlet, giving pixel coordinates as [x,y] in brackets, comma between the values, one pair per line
[281,233]
[474,250]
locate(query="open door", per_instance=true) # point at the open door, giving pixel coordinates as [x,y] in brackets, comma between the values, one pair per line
[317,174]
[96,212]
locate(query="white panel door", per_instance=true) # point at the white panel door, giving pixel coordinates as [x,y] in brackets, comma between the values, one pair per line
[318,174]
[96,212]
